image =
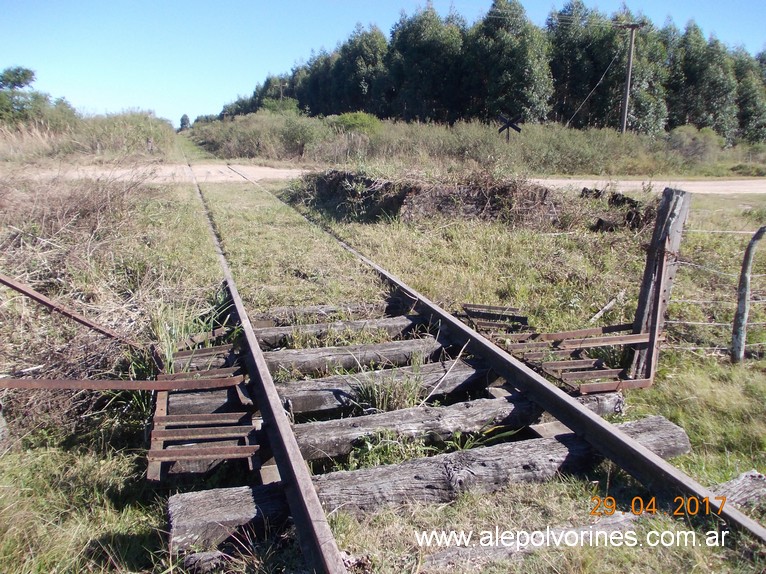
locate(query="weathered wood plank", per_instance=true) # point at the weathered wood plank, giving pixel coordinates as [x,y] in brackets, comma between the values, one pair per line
[204,519]
[323,360]
[331,395]
[336,438]
[272,337]
[320,313]
[442,478]
[199,402]
[660,270]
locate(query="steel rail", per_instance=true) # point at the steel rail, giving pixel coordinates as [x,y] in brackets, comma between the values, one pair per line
[314,535]
[118,385]
[644,465]
[647,467]
[59,308]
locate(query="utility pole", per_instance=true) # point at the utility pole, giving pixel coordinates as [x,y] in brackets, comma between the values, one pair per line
[626,96]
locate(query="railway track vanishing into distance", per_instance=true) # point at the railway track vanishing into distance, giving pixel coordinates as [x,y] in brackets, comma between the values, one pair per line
[219,402]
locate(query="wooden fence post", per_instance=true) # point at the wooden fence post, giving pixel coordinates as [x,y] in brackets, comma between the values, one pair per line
[661,266]
[739,329]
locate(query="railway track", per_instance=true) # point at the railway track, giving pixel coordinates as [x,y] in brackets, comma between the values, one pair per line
[240,396]
[439,343]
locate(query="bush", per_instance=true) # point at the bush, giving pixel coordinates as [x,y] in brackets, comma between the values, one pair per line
[355,122]
[300,132]
[695,146]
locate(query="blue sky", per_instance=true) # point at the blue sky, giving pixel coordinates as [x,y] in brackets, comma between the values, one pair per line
[194,56]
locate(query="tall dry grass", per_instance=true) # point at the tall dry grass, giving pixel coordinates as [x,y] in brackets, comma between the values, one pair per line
[130,134]
[550,149]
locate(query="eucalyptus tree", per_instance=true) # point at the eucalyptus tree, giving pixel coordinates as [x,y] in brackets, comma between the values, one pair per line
[313,84]
[359,70]
[587,77]
[751,97]
[424,64]
[506,65]
[702,88]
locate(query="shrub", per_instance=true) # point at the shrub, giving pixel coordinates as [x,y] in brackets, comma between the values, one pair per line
[357,122]
[695,146]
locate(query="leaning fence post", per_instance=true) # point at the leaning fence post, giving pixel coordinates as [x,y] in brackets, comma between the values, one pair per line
[739,330]
[660,270]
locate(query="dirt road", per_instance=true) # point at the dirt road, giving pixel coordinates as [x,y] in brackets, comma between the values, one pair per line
[219,172]
[703,186]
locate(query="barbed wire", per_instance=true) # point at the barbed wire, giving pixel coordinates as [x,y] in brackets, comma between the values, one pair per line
[700,348]
[716,271]
[726,231]
[713,302]
[712,324]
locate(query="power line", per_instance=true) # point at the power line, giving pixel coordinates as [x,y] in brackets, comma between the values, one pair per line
[593,90]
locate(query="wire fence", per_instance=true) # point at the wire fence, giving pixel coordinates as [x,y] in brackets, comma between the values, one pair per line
[703,320]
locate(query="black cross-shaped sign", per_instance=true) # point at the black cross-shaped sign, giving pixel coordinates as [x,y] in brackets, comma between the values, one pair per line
[508,125]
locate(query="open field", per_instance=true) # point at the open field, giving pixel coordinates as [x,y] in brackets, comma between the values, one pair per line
[142,265]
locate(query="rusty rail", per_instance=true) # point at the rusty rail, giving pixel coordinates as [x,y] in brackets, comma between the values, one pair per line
[58,308]
[314,535]
[643,464]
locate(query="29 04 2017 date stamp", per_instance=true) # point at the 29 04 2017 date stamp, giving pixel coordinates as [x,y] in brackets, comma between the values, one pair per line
[682,506]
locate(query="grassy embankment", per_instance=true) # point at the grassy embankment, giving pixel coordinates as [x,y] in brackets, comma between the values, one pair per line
[362,142]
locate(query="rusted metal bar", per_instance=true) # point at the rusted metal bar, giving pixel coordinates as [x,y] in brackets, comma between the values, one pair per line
[608,386]
[58,308]
[561,335]
[202,453]
[206,352]
[314,535]
[590,375]
[200,419]
[512,324]
[209,374]
[646,466]
[605,341]
[553,354]
[493,309]
[116,385]
[154,469]
[573,364]
[739,327]
[202,433]
[582,343]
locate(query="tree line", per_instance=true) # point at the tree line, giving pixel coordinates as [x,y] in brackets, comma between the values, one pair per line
[572,70]
[21,105]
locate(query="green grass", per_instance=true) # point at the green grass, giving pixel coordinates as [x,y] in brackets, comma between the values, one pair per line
[80,504]
[66,511]
[433,149]
[561,281]
[105,139]
[278,258]
[73,496]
